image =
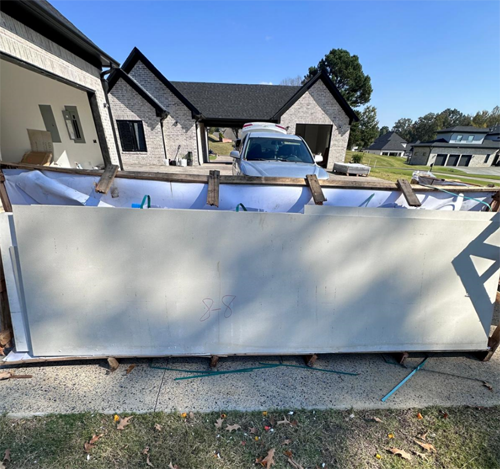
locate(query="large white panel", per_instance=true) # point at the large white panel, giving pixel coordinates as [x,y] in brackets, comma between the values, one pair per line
[114,281]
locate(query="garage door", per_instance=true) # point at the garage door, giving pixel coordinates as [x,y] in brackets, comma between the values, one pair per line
[452,160]
[440,159]
[465,160]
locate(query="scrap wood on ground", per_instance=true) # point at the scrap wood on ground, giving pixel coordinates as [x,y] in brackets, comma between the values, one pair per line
[434,437]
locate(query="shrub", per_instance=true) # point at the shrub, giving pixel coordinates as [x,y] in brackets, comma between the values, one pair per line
[357,158]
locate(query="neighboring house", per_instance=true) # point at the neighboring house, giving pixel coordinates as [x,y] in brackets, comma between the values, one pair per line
[158,119]
[390,144]
[50,80]
[459,146]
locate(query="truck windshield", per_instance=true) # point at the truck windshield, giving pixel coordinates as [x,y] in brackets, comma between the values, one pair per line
[277,149]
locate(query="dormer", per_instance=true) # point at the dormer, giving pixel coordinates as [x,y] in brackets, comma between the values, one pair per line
[463,135]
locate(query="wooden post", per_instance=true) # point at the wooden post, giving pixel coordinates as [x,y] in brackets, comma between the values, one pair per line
[408,192]
[214,360]
[3,194]
[107,178]
[494,340]
[316,191]
[213,188]
[310,360]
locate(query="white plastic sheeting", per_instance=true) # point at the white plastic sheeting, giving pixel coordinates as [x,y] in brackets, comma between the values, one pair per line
[197,282]
[52,188]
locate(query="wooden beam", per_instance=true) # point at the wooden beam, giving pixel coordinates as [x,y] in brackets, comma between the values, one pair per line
[214,360]
[213,188]
[4,197]
[408,192]
[245,180]
[107,178]
[316,191]
[310,360]
[494,340]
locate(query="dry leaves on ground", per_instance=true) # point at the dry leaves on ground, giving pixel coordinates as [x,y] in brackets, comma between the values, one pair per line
[6,455]
[158,427]
[124,422]
[285,421]
[268,461]
[230,428]
[376,419]
[420,455]
[5,375]
[219,423]
[426,446]
[146,452]
[172,467]
[90,445]
[401,453]
[286,442]
[191,415]
[129,369]
[113,364]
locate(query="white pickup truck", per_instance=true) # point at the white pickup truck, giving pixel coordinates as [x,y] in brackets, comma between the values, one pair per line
[267,150]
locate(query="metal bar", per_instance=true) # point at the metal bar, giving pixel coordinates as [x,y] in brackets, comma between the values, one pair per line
[404,381]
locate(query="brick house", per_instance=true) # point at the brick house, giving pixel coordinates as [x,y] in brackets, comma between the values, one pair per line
[459,146]
[50,81]
[157,119]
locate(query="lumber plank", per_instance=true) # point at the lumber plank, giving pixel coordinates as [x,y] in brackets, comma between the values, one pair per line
[214,360]
[245,180]
[107,178]
[316,191]
[310,360]
[408,192]
[213,188]
[4,197]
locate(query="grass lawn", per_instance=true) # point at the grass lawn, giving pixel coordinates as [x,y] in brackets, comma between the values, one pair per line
[458,438]
[393,168]
[220,148]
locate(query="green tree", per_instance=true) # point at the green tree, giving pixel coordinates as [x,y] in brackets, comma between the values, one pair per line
[383,130]
[481,119]
[364,132]
[452,117]
[494,118]
[425,127]
[347,74]
[404,128]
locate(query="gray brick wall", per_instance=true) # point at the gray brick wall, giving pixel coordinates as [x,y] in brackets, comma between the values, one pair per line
[25,44]
[179,128]
[318,106]
[126,104]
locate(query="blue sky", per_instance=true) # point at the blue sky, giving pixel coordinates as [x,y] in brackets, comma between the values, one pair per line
[422,56]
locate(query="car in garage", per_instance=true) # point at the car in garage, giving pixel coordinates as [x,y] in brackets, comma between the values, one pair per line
[266,150]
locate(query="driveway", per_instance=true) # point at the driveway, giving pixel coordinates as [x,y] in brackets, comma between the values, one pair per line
[71,387]
[491,171]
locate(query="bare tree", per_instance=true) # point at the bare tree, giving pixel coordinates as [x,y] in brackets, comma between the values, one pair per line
[297,81]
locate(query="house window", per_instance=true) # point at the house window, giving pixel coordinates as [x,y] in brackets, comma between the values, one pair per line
[470,138]
[459,138]
[487,158]
[132,136]
[73,124]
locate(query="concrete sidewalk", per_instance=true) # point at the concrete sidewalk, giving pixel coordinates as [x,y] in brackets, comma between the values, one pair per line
[89,387]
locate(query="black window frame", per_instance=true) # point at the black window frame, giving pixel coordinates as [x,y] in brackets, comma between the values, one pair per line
[132,143]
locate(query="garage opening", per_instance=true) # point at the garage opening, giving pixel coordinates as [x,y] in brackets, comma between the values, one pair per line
[465,160]
[318,137]
[440,160]
[452,160]
[43,115]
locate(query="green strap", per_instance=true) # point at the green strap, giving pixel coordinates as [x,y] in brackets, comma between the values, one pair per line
[242,206]
[148,198]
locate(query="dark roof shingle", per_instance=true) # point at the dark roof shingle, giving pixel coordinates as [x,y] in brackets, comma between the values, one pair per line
[390,141]
[235,101]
